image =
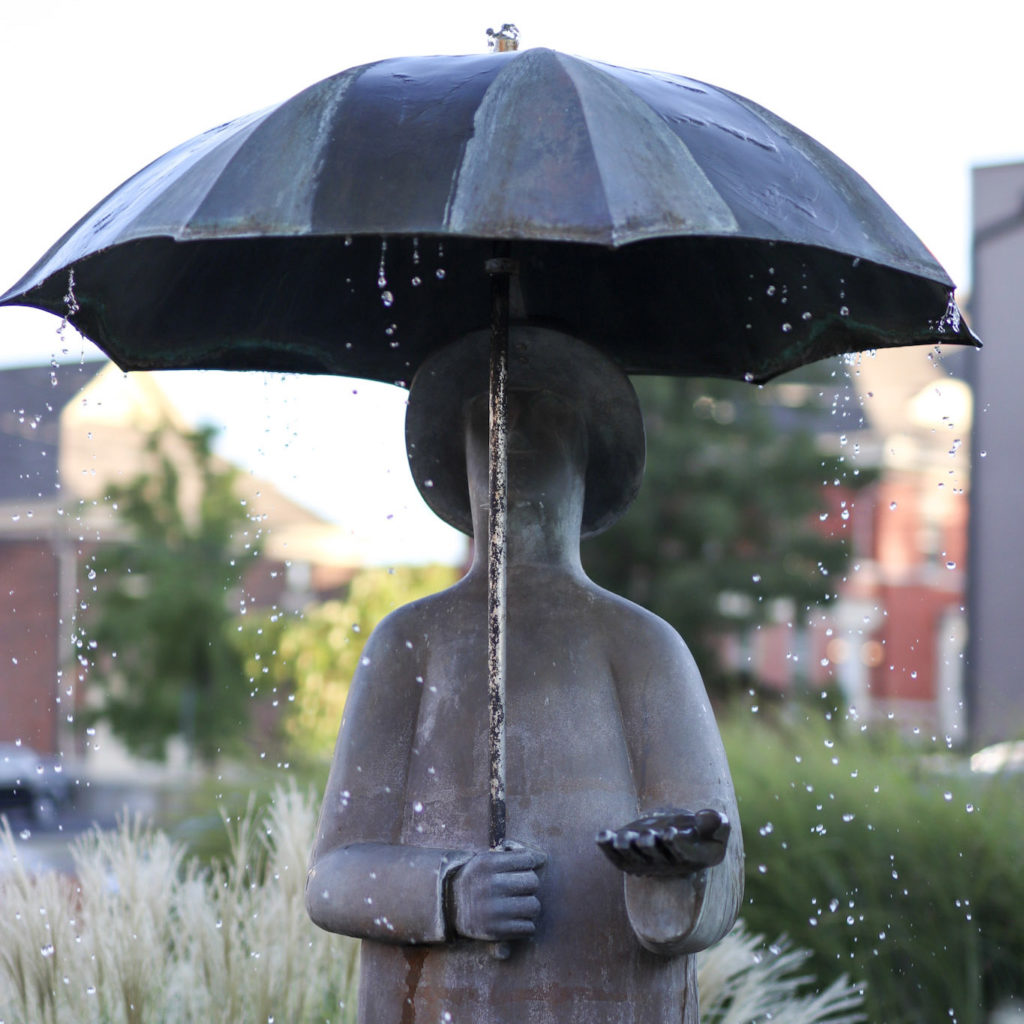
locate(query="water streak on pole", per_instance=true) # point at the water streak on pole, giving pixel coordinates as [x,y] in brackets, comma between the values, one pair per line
[500,269]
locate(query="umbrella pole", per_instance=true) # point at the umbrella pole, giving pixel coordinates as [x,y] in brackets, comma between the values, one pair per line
[500,269]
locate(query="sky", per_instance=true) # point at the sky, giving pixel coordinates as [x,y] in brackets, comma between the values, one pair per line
[911,95]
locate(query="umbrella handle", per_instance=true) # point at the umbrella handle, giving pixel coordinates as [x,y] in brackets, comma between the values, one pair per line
[500,269]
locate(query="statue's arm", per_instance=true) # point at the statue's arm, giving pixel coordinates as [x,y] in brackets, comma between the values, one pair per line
[362,881]
[679,763]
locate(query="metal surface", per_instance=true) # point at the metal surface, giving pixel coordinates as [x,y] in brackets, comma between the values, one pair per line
[680,228]
[497,552]
[607,719]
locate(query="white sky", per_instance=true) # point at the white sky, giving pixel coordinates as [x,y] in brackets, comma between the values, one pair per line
[911,94]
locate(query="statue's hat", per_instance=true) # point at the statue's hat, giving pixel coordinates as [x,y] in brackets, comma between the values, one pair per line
[539,358]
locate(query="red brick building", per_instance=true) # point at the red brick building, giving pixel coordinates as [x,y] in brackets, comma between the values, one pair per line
[63,436]
[893,642]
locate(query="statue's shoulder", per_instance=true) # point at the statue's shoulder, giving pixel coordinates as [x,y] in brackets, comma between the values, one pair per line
[636,633]
[422,615]
[628,617]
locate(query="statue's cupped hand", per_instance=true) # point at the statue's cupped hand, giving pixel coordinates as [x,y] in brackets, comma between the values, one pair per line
[671,843]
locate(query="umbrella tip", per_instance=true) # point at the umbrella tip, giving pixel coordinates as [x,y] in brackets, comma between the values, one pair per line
[504,39]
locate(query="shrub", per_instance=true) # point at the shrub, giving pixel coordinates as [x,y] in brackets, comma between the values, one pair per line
[143,935]
[902,869]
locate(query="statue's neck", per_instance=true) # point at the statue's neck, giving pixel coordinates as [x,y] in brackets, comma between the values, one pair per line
[538,535]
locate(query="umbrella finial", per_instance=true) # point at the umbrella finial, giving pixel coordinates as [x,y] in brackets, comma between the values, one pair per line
[504,39]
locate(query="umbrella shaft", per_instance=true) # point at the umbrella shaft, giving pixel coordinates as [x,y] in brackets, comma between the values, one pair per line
[499,270]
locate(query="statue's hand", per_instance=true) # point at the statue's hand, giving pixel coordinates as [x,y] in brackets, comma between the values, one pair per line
[675,843]
[494,894]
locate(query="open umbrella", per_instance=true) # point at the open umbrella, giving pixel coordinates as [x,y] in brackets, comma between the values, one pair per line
[678,227]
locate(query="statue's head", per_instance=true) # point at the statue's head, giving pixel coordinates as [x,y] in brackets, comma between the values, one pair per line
[568,403]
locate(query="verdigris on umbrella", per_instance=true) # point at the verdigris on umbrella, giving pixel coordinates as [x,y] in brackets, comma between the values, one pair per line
[676,227]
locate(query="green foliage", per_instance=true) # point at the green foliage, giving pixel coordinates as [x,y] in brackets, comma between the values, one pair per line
[902,870]
[313,656]
[728,507]
[159,621]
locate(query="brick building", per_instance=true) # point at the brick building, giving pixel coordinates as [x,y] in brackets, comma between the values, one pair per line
[64,434]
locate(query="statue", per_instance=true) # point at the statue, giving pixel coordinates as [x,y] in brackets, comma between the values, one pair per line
[610,737]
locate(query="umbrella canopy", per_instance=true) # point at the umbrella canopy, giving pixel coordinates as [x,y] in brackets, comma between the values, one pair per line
[678,227]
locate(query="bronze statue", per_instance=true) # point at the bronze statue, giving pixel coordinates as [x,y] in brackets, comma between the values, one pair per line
[611,738]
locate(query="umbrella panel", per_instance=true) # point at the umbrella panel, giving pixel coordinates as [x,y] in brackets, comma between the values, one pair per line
[722,307]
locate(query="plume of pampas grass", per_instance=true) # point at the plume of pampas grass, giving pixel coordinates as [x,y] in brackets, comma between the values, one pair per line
[142,934]
[743,980]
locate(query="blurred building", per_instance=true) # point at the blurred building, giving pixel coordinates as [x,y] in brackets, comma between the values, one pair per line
[65,433]
[995,676]
[891,643]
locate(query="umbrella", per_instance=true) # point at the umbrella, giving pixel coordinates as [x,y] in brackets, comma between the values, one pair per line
[680,228]
[292,239]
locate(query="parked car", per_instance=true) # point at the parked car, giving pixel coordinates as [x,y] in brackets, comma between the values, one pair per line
[32,783]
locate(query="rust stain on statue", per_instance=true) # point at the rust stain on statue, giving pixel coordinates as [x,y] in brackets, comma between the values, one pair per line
[414,957]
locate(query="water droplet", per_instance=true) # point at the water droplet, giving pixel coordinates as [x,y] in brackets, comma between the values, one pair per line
[439,273]
[766,829]
[387,298]
[417,807]
[770,290]
[786,328]
[756,577]
[416,282]
[844,310]
[892,506]
[748,376]
[947,796]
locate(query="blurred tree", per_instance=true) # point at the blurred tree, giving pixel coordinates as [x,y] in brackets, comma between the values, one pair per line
[160,621]
[313,656]
[726,523]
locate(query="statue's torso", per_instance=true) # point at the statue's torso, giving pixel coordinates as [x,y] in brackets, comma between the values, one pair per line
[569,774]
